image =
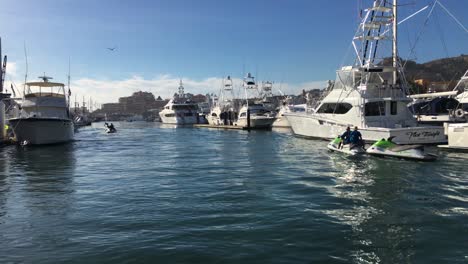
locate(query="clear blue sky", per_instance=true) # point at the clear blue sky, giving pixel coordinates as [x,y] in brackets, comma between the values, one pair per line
[294,41]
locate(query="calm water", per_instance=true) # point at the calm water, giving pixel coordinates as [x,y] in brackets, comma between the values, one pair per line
[156,194]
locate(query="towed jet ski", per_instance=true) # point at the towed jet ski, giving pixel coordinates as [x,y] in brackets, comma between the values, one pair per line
[389,148]
[110,128]
[349,149]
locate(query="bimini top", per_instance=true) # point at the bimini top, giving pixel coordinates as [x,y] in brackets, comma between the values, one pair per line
[44,84]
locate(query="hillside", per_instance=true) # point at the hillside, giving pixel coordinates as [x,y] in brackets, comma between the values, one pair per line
[441,70]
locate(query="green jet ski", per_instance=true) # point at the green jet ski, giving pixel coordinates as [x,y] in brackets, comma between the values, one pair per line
[387,147]
[350,149]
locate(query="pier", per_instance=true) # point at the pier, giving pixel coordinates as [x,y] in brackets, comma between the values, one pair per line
[229,127]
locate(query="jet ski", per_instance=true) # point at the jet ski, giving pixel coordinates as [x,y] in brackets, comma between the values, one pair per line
[349,149]
[387,147]
[110,128]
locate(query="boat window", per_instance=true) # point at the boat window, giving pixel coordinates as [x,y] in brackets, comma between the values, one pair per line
[214,114]
[393,107]
[184,107]
[243,114]
[169,115]
[465,107]
[331,108]
[375,109]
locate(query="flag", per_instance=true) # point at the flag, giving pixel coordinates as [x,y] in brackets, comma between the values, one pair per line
[69,92]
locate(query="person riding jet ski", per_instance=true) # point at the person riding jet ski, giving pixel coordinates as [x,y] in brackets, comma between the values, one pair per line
[355,139]
[110,128]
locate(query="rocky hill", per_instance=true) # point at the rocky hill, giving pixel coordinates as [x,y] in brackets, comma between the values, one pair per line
[441,70]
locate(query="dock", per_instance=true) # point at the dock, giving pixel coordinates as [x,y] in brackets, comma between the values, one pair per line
[228,127]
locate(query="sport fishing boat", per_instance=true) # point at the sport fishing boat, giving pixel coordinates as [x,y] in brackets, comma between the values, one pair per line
[387,148]
[223,110]
[180,110]
[370,94]
[253,115]
[44,117]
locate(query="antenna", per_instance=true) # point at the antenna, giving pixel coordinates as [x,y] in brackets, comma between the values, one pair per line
[26,73]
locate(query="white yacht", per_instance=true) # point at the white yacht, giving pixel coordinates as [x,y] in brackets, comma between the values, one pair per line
[371,94]
[435,108]
[44,117]
[180,110]
[284,108]
[439,108]
[223,105]
[253,115]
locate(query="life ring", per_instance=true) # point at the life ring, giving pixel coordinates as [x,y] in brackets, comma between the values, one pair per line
[459,113]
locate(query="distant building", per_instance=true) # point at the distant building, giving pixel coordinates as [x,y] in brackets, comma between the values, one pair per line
[442,86]
[137,103]
[112,108]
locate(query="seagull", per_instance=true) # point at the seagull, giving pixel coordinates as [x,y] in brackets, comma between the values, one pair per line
[112,49]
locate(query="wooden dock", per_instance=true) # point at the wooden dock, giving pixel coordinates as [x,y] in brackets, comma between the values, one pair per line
[230,127]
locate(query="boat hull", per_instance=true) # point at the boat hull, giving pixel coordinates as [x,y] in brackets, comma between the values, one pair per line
[281,122]
[40,131]
[308,125]
[182,120]
[256,122]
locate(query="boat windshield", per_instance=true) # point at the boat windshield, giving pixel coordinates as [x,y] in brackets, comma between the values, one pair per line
[184,107]
[45,89]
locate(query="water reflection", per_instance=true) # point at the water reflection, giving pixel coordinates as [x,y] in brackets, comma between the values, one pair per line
[375,189]
[4,181]
[43,177]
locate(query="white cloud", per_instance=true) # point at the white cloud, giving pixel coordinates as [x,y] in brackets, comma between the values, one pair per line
[105,91]
[12,69]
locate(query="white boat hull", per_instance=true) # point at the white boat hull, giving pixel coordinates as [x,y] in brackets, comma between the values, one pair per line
[256,122]
[308,125]
[181,120]
[281,122]
[457,136]
[39,131]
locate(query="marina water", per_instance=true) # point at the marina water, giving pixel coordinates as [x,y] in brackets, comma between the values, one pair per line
[156,194]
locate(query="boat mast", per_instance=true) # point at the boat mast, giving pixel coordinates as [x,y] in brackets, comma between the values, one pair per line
[395,41]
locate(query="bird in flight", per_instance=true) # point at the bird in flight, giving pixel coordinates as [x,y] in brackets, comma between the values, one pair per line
[112,49]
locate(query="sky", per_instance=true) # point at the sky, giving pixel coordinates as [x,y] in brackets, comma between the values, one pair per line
[297,44]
